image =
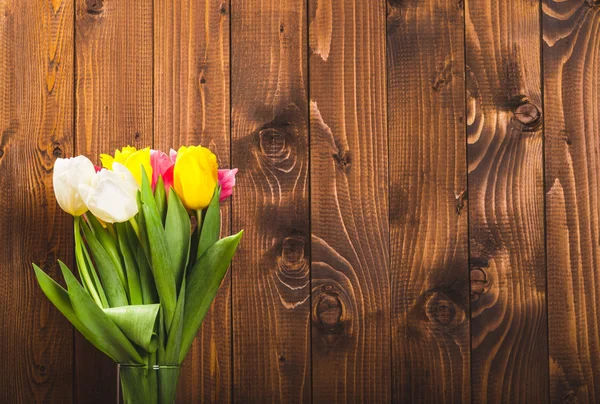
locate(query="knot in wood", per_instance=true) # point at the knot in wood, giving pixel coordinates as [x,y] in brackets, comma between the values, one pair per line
[223,9]
[273,145]
[57,152]
[1,153]
[592,3]
[480,281]
[569,398]
[292,253]
[441,309]
[527,116]
[343,160]
[328,310]
[95,6]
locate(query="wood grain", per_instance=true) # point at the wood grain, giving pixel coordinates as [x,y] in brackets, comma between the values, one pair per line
[36,127]
[114,62]
[428,202]
[349,202]
[572,127]
[506,202]
[270,273]
[191,106]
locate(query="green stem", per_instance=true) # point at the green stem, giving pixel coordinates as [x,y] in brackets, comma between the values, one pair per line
[136,228]
[84,271]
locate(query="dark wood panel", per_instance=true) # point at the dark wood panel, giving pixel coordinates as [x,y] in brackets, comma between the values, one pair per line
[349,202]
[506,202]
[572,127]
[113,43]
[36,127]
[191,106]
[428,202]
[270,273]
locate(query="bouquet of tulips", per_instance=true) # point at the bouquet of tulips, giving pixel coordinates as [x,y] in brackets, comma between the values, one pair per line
[149,257]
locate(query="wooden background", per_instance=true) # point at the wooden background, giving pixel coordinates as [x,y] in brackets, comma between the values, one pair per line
[419,184]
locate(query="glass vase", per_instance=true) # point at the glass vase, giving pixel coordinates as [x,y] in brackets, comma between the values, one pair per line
[152,384]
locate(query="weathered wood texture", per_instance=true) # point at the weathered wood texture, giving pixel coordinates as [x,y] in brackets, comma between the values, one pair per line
[191,106]
[572,126]
[113,108]
[506,202]
[428,202]
[269,132]
[392,186]
[36,127]
[349,202]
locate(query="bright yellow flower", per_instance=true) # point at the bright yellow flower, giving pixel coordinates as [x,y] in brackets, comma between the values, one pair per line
[132,159]
[195,176]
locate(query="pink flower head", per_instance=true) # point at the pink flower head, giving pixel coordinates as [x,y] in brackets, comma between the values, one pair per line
[162,165]
[97,169]
[227,182]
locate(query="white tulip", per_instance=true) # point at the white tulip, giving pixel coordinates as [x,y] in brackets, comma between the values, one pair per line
[111,196]
[68,175]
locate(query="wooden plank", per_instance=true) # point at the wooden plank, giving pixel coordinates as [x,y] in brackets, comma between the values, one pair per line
[428,202]
[506,202]
[271,343]
[191,106]
[113,42]
[349,208]
[36,127]
[572,129]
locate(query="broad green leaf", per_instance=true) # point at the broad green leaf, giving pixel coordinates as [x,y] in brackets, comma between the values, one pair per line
[84,267]
[137,323]
[161,199]
[160,258]
[108,243]
[133,276]
[60,298]
[149,294]
[177,229]
[176,331]
[115,292]
[211,226]
[92,270]
[202,282]
[98,323]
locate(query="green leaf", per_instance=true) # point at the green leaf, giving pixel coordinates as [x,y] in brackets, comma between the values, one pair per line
[211,226]
[161,199]
[137,323]
[60,298]
[109,244]
[92,270]
[133,276]
[115,292]
[177,229]
[107,334]
[203,281]
[176,332]
[149,294]
[160,258]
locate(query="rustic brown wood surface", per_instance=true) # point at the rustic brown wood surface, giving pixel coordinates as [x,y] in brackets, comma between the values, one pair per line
[269,135]
[428,202]
[191,106]
[571,84]
[113,108]
[509,357]
[36,127]
[403,214]
[349,202]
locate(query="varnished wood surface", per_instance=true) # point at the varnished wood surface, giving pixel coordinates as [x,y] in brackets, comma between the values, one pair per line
[418,185]
[571,83]
[509,356]
[191,106]
[36,127]
[428,202]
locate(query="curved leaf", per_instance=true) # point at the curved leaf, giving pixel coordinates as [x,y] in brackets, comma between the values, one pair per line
[137,323]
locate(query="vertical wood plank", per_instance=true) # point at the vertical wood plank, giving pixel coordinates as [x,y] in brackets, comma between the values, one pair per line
[428,202]
[506,202]
[271,288]
[113,43]
[349,208]
[191,106]
[572,127]
[36,127]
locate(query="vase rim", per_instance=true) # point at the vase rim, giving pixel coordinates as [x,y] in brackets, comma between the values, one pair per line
[153,367]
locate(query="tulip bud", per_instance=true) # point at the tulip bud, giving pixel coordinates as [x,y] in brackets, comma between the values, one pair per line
[68,175]
[111,196]
[195,176]
[227,182]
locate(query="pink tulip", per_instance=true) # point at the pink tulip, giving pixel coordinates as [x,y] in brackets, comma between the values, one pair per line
[97,169]
[162,165]
[227,182]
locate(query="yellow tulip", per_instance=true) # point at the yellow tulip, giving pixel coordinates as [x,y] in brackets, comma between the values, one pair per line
[132,159]
[195,176]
